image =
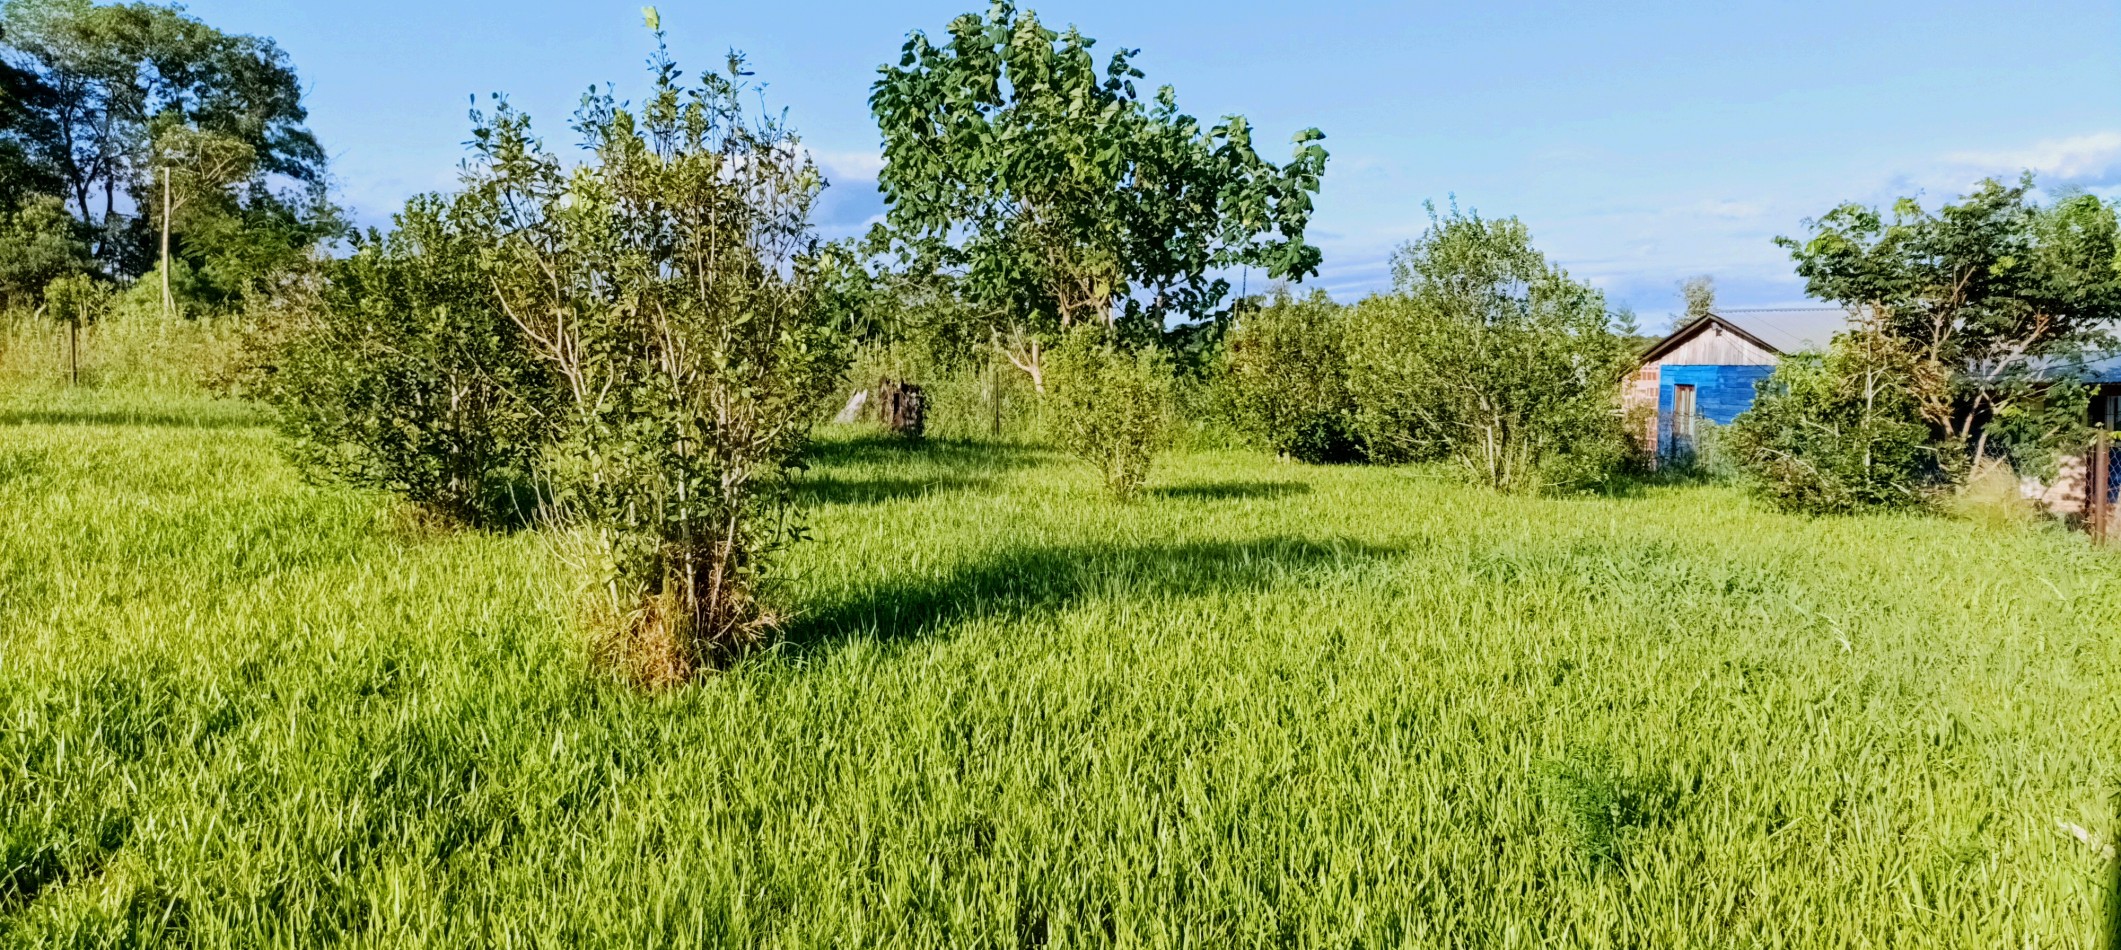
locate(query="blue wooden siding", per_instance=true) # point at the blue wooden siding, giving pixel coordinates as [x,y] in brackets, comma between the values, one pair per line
[1720,394]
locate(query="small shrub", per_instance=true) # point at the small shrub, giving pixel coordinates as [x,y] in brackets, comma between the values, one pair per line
[1110,407]
[401,373]
[1843,432]
[671,284]
[1487,355]
[1284,380]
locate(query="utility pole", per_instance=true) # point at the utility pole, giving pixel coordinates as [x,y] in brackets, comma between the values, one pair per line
[169,302]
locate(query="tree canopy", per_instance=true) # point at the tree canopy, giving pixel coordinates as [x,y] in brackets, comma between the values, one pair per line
[96,91]
[1994,288]
[1054,193]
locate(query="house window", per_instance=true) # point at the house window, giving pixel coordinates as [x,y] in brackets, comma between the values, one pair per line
[1683,413]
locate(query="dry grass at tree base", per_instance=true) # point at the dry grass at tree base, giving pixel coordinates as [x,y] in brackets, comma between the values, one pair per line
[1267,705]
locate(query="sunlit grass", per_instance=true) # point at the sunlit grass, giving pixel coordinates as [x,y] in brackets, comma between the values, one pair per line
[1266,705]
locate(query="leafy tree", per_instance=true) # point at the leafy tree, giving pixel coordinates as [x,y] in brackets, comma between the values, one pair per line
[1988,290]
[25,100]
[1845,432]
[401,373]
[1111,406]
[1700,295]
[39,243]
[108,75]
[75,300]
[196,168]
[670,284]
[1284,378]
[1053,194]
[1488,355]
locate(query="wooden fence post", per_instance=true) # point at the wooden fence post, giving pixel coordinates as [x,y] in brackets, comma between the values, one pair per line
[2096,484]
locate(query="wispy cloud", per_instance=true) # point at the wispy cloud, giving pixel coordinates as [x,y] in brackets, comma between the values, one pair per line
[2077,160]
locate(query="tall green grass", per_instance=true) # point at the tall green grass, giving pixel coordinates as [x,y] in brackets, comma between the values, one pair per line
[1269,705]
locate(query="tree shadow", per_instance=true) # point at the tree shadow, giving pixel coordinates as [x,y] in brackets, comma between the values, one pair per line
[128,418]
[827,490]
[884,448]
[1229,491]
[1022,582]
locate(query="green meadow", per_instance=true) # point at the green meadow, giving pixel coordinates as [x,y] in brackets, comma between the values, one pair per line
[1265,705]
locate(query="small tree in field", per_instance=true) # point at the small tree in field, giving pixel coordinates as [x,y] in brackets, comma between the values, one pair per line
[1487,355]
[1111,407]
[75,300]
[1052,193]
[669,285]
[1845,432]
[1284,378]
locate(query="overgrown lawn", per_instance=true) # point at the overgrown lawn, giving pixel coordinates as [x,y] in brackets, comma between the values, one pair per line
[1267,704]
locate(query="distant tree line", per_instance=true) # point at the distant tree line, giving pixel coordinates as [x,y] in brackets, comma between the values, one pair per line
[136,140]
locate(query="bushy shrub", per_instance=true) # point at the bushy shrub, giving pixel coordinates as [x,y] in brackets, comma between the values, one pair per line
[1843,432]
[401,373]
[1487,355]
[1284,379]
[39,243]
[671,284]
[1110,407]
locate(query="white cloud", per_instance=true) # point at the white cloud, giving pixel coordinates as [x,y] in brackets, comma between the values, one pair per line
[2075,159]
[848,166]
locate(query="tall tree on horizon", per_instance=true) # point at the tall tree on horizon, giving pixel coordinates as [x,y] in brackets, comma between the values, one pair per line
[106,76]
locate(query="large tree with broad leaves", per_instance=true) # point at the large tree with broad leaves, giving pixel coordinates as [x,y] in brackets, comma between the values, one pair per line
[1995,291]
[1052,192]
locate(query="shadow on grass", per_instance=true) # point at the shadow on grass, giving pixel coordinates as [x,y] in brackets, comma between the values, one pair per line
[1048,579]
[1229,491]
[879,447]
[826,490]
[129,419]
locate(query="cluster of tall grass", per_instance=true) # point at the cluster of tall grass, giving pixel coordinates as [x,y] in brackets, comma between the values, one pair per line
[133,346]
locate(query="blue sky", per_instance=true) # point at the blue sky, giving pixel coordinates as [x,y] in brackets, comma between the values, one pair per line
[1642,142]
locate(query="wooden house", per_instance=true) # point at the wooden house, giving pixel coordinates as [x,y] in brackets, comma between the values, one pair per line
[1708,368]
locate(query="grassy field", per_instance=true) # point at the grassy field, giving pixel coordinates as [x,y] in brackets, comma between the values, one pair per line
[1269,705]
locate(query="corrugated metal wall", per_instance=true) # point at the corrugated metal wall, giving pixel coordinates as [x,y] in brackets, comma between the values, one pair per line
[1720,394]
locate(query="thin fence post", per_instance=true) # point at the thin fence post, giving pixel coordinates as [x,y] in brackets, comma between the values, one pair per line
[2095,483]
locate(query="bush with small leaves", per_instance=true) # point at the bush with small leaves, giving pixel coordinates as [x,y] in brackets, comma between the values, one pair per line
[1844,432]
[1284,379]
[400,372]
[1111,407]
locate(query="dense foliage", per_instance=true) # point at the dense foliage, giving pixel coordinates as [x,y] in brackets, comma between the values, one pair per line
[1111,406]
[670,284]
[401,373]
[1487,355]
[1052,193]
[1845,432]
[1284,378]
[125,111]
[1993,291]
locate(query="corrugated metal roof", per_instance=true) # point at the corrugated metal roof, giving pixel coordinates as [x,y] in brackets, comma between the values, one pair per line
[2091,368]
[1791,330]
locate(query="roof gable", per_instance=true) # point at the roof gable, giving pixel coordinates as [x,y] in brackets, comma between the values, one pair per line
[1776,332]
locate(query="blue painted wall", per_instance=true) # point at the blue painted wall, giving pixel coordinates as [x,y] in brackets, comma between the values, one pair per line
[1720,394]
